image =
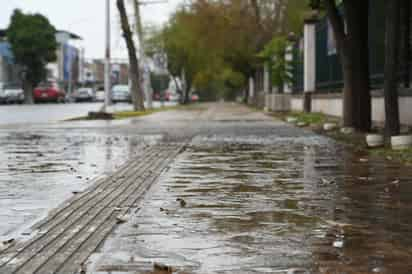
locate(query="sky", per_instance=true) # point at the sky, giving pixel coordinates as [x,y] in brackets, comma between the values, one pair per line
[87,19]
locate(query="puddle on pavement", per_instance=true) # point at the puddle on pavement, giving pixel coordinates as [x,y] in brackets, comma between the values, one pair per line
[285,207]
[41,168]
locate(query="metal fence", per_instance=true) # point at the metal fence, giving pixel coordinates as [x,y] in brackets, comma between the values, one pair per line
[328,68]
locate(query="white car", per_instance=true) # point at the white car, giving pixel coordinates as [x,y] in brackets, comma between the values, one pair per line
[174,97]
[121,93]
[84,94]
[11,94]
[100,95]
[2,97]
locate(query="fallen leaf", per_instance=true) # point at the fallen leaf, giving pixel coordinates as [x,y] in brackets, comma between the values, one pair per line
[8,242]
[333,223]
[182,202]
[395,183]
[122,219]
[325,181]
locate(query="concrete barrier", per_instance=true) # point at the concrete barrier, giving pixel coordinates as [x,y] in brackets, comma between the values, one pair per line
[278,102]
[332,104]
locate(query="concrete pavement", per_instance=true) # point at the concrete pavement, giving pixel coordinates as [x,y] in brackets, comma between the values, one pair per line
[226,189]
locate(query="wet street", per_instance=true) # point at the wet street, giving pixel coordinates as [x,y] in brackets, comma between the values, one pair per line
[247,194]
[46,113]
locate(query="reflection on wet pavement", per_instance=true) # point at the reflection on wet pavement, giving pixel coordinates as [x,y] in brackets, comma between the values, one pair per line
[286,206]
[247,196]
[40,168]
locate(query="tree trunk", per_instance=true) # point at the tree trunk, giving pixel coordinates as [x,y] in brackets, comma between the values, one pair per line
[136,92]
[352,43]
[405,56]
[349,113]
[246,94]
[28,92]
[392,124]
[307,102]
[188,86]
[358,37]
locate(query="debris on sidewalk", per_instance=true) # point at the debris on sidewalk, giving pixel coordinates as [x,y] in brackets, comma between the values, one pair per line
[6,243]
[327,181]
[82,269]
[182,202]
[121,219]
[393,186]
[162,268]
[164,210]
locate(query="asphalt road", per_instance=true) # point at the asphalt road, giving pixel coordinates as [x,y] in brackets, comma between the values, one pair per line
[47,113]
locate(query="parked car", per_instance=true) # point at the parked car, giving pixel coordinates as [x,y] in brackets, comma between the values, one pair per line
[49,92]
[167,95]
[194,98]
[2,96]
[174,97]
[84,94]
[156,96]
[100,94]
[121,93]
[12,94]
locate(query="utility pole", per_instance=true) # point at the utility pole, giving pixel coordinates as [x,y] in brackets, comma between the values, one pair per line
[144,78]
[107,71]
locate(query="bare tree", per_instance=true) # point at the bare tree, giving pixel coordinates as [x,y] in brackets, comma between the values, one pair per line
[137,93]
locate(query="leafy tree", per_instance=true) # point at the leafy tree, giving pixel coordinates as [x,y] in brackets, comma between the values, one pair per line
[274,53]
[216,42]
[34,45]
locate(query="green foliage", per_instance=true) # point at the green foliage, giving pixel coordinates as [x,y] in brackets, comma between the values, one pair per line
[314,4]
[160,82]
[319,4]
[274,53]
[33,43]
[310,118]
[216,42]
[295,12]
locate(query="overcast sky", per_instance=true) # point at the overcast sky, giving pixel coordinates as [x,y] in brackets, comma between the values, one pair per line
[86,18]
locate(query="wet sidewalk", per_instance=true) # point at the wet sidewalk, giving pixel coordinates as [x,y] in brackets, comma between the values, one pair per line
[252,195]
[248,194]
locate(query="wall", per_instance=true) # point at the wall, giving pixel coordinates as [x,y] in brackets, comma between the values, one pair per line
[278,102]
[332,105]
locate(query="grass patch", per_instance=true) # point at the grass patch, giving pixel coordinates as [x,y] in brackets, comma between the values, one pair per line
[404,155]
[313,119]
[134,114]
[355,141]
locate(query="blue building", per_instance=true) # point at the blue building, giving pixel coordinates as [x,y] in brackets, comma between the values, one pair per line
[9,72]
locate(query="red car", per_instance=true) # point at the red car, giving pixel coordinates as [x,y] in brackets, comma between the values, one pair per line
[194,98]
[49,92]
